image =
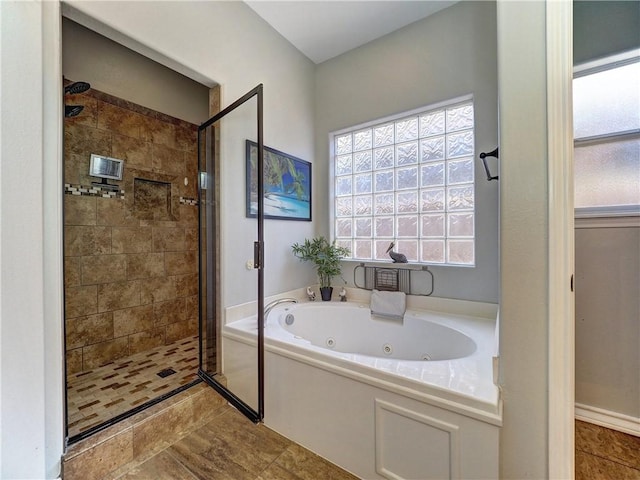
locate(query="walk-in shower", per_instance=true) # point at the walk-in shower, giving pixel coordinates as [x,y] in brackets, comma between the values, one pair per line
[130,259]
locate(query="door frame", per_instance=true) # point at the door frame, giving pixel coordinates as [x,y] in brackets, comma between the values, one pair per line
[258,261]
[561,241]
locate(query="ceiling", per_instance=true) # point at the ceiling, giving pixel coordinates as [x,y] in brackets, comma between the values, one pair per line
[325,29]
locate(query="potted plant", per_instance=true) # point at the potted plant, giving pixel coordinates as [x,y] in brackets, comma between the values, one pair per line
[326,258]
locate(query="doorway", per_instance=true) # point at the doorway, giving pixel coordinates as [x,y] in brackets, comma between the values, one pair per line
[130,240]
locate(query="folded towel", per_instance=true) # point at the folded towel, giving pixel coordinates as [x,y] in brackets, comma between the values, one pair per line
[388,304]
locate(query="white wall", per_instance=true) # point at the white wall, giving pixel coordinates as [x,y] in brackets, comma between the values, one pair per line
[608,319]
[446,55]
[31,353]
[524,233]
[227,43]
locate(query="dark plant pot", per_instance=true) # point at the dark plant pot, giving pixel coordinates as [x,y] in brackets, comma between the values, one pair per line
[325,293]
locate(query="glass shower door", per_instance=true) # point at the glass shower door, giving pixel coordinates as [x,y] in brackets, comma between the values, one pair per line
[232,252]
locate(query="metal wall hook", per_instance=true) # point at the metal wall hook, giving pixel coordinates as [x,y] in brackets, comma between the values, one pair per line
[483,157]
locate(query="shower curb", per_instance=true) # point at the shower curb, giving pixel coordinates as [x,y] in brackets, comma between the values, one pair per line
[116,450]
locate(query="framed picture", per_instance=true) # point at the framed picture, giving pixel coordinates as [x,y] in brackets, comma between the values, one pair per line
[287,185]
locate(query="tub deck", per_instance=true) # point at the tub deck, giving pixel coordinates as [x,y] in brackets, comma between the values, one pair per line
[463,384]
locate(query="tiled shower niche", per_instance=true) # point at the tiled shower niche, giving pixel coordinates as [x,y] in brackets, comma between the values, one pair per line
[152,199]
[131,252]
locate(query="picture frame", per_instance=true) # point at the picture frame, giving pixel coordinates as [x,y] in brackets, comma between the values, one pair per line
[287,185]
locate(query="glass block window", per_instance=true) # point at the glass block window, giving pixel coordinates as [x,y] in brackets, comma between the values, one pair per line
[606,99]
[410,181]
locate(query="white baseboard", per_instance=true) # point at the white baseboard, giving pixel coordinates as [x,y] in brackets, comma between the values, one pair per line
[608,419]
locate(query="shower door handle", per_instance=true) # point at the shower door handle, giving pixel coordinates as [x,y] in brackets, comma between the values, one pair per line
[257,255]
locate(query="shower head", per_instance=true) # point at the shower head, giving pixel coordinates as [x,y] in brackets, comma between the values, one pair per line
[77,87]
[72,110]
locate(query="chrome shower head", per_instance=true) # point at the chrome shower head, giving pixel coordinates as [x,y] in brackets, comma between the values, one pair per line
[72,110]
[77,87]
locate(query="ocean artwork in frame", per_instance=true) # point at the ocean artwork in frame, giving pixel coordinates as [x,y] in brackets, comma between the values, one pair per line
[287,185]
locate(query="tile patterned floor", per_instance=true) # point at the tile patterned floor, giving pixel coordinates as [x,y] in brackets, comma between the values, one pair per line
[98,395]
[604,454]
[230,447]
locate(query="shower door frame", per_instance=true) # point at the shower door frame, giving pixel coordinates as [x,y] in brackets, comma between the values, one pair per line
[212,259]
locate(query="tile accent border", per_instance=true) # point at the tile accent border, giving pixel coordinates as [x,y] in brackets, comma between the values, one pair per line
[188,201]
[92,191]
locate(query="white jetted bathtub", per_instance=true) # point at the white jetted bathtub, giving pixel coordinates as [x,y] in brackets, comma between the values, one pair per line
[400,399]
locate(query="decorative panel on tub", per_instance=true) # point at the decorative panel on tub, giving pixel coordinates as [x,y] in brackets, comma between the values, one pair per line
[411,445]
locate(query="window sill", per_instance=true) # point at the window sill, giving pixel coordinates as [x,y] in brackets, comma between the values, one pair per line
[410,265]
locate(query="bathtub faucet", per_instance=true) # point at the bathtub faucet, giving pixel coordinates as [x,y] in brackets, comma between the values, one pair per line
[343,294]
[311,295]
[275,303]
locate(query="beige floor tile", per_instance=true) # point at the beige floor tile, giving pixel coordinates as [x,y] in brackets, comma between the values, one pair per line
[591,467]
[309,466]
[276,472]
[230,447]
[160,467]
[613,445]
[248,445]
[209,457]
[238,430]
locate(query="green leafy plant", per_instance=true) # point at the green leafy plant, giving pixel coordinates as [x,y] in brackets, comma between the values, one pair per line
[325,256]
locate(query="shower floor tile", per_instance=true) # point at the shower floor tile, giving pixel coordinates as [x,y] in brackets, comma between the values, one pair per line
[98,395]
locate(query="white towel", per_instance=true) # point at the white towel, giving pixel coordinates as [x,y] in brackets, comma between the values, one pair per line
[388,304]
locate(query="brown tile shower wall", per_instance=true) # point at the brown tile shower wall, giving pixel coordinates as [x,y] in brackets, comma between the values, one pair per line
[131,260]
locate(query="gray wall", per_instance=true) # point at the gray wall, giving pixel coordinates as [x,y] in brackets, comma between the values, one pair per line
[604,28]
[608,319]
[446,55]
[116,70]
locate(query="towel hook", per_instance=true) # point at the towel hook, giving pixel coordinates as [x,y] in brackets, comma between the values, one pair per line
[483,157]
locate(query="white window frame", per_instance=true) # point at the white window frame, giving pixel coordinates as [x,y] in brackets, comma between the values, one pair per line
[392,118]
[624,215]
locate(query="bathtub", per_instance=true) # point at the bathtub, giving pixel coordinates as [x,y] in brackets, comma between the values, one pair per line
[382,398]
[350,328]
